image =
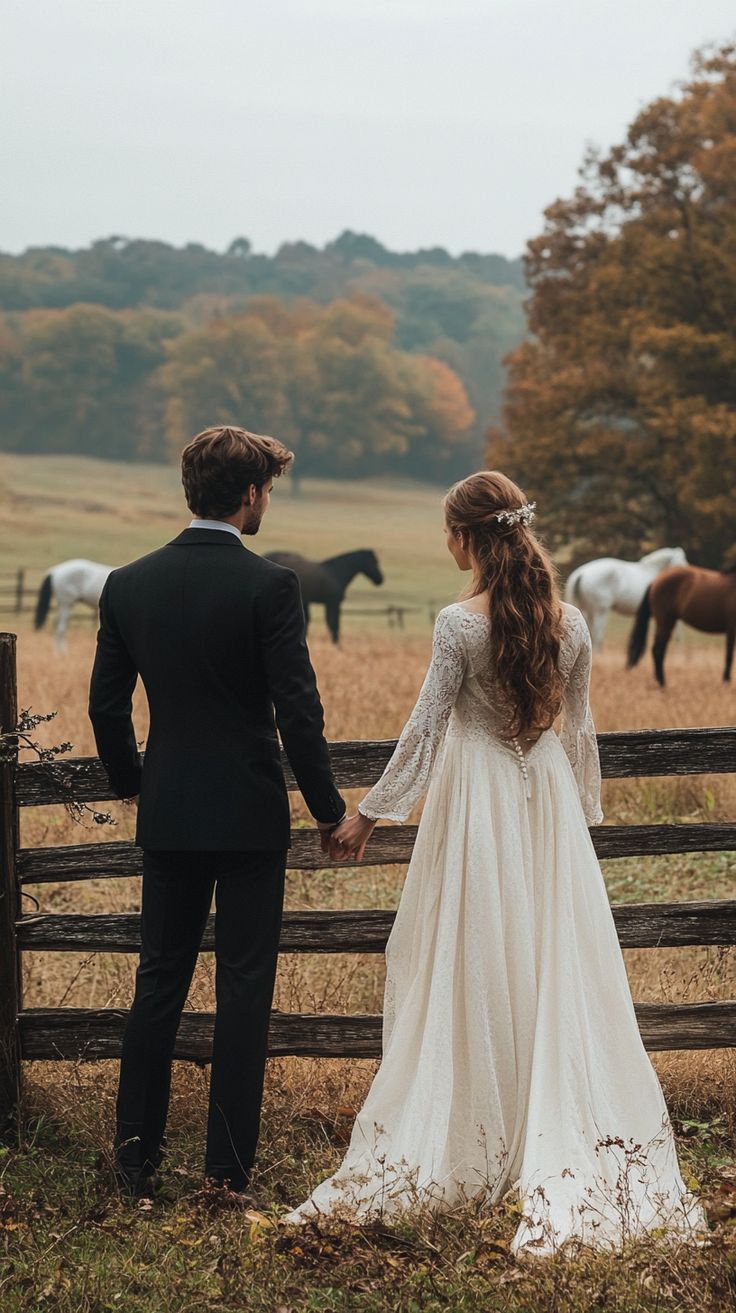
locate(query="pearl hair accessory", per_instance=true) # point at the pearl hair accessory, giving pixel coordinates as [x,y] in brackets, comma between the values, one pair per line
[524,514]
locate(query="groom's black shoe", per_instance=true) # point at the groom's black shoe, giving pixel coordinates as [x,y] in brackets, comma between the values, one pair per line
[141,1184]
[223,1193]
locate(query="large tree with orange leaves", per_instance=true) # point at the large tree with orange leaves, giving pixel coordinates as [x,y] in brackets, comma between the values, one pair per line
[620,414]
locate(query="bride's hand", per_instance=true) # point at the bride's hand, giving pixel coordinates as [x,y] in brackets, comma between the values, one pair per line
[351,836]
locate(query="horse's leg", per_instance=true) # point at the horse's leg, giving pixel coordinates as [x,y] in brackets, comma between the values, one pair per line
[60,628]
[662,637]
[598,628]
[332,616]
[730,638]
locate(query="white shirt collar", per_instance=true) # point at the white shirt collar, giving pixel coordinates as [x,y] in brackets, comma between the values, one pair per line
[213,524]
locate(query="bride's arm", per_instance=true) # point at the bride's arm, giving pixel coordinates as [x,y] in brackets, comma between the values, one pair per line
[406,776]
[577,731]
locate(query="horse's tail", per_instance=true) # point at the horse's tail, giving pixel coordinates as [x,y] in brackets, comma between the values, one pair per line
[43,603]
[638,635]
[572,587]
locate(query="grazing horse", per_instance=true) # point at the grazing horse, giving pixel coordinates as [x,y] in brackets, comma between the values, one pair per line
[69,582]
[607,584]
[705,599]
[326,581]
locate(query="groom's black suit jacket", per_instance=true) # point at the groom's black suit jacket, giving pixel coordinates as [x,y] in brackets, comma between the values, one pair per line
[217,635]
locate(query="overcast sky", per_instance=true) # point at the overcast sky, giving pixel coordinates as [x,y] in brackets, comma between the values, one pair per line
[423,122]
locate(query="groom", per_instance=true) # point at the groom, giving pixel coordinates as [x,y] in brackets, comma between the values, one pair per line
[216,634]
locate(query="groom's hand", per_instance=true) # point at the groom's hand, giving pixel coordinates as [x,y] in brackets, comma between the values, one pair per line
[326,830]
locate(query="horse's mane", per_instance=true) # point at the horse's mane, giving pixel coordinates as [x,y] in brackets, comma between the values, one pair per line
[344,556]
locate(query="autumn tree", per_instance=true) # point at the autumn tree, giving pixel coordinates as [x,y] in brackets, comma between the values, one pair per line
[620,413]
[326,379]
[219,374]
[78,380]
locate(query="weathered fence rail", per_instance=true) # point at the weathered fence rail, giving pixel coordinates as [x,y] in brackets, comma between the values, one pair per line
[639,925]
[74,1033]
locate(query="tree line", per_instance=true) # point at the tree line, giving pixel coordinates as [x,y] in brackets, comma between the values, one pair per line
[97,349]
[121,272]
[327,379]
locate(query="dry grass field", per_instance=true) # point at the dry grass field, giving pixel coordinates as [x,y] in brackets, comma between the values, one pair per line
[68,1242]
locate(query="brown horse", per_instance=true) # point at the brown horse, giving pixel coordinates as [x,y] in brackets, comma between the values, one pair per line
[705,599]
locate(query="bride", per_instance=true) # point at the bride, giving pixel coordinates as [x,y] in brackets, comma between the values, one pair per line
[511,1051]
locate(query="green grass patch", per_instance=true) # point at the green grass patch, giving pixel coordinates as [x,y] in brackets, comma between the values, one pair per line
[70,1243]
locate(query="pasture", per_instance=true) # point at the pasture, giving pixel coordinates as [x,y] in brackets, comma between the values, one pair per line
[57,507]
[66,1240]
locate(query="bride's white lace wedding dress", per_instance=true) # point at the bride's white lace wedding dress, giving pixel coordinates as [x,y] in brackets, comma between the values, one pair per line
[511,1051]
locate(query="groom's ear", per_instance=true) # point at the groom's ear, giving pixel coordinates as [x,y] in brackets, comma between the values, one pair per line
[252,495]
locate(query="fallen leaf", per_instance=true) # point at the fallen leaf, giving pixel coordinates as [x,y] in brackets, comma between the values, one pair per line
[260,1219]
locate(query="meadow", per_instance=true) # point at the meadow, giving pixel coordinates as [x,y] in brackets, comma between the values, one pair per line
[53,508]
[67,1240]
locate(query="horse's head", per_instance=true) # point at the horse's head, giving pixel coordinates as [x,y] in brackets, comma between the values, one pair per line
[664,558]
[368,565]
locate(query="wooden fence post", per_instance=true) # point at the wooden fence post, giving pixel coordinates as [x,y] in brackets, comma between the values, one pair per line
[19,591]
[10,966]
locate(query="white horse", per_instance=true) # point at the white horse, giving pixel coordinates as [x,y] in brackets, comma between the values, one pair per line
[70,582]
[606,585]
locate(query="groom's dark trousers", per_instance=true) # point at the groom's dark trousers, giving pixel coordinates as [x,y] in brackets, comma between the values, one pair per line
[217,635]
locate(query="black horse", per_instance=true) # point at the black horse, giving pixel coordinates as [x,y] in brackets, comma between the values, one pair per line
[327,581]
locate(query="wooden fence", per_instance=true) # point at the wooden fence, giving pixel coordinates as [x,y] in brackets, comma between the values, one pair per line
[13,591]
[72,1033]
[18,597]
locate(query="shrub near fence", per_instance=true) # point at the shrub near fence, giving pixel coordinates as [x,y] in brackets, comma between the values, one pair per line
[73,1033]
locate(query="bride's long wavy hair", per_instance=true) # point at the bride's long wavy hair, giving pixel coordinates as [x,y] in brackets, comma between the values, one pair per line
[523,598]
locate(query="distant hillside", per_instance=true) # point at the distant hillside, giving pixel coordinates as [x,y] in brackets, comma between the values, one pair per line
[120,272]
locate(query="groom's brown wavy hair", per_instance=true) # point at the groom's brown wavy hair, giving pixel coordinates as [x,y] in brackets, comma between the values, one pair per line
[221,463]
[523,597]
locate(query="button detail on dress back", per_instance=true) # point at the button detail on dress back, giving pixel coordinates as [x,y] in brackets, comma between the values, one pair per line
[523,766]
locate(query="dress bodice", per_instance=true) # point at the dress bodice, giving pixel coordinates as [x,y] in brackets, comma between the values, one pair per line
[462,695]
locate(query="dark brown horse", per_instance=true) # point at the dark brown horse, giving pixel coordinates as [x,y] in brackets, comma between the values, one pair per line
[705,599]
[326,581]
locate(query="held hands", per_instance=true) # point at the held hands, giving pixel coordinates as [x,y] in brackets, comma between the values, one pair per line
[347,839]
[350,837]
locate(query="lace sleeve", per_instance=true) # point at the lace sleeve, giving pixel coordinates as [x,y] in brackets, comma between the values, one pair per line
[407,774]
[577,731]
